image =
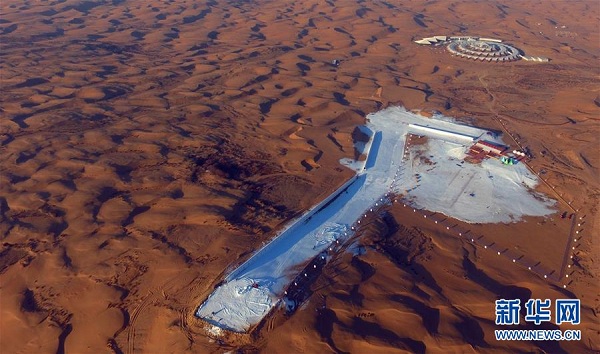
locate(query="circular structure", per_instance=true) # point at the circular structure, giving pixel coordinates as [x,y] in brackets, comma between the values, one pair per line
[477,49]
[480,48]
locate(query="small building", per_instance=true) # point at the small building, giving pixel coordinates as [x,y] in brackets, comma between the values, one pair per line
[490,40]
[490,148]
[508,160]
[431,40]
[537,59]
[482,150]
[423,42]
[462,38]
[475,155]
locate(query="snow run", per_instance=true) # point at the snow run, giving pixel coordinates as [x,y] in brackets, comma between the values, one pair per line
[432,176]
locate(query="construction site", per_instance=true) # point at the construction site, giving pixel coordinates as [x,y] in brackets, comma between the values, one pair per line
[422,161]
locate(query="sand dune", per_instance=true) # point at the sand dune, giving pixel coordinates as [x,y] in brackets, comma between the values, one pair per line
[147,148]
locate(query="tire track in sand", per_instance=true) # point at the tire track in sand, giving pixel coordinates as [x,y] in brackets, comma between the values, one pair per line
[148,299]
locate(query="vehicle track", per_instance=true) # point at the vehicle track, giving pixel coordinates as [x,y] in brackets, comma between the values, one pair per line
[134,316]
[148,299]
[496,118]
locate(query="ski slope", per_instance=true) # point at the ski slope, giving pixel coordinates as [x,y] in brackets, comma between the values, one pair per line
[485,193]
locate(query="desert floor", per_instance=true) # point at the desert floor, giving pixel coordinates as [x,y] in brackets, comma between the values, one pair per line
[146,148]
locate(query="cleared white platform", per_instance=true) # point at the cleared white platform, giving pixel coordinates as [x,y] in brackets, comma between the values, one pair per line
[485,193]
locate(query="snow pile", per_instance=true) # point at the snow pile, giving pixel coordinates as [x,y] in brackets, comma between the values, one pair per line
[329,233]
[246,305]
[214,330]
[431,176]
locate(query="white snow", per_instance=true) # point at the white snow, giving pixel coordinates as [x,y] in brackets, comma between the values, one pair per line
[486,193]
[242,305]
[215,331]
